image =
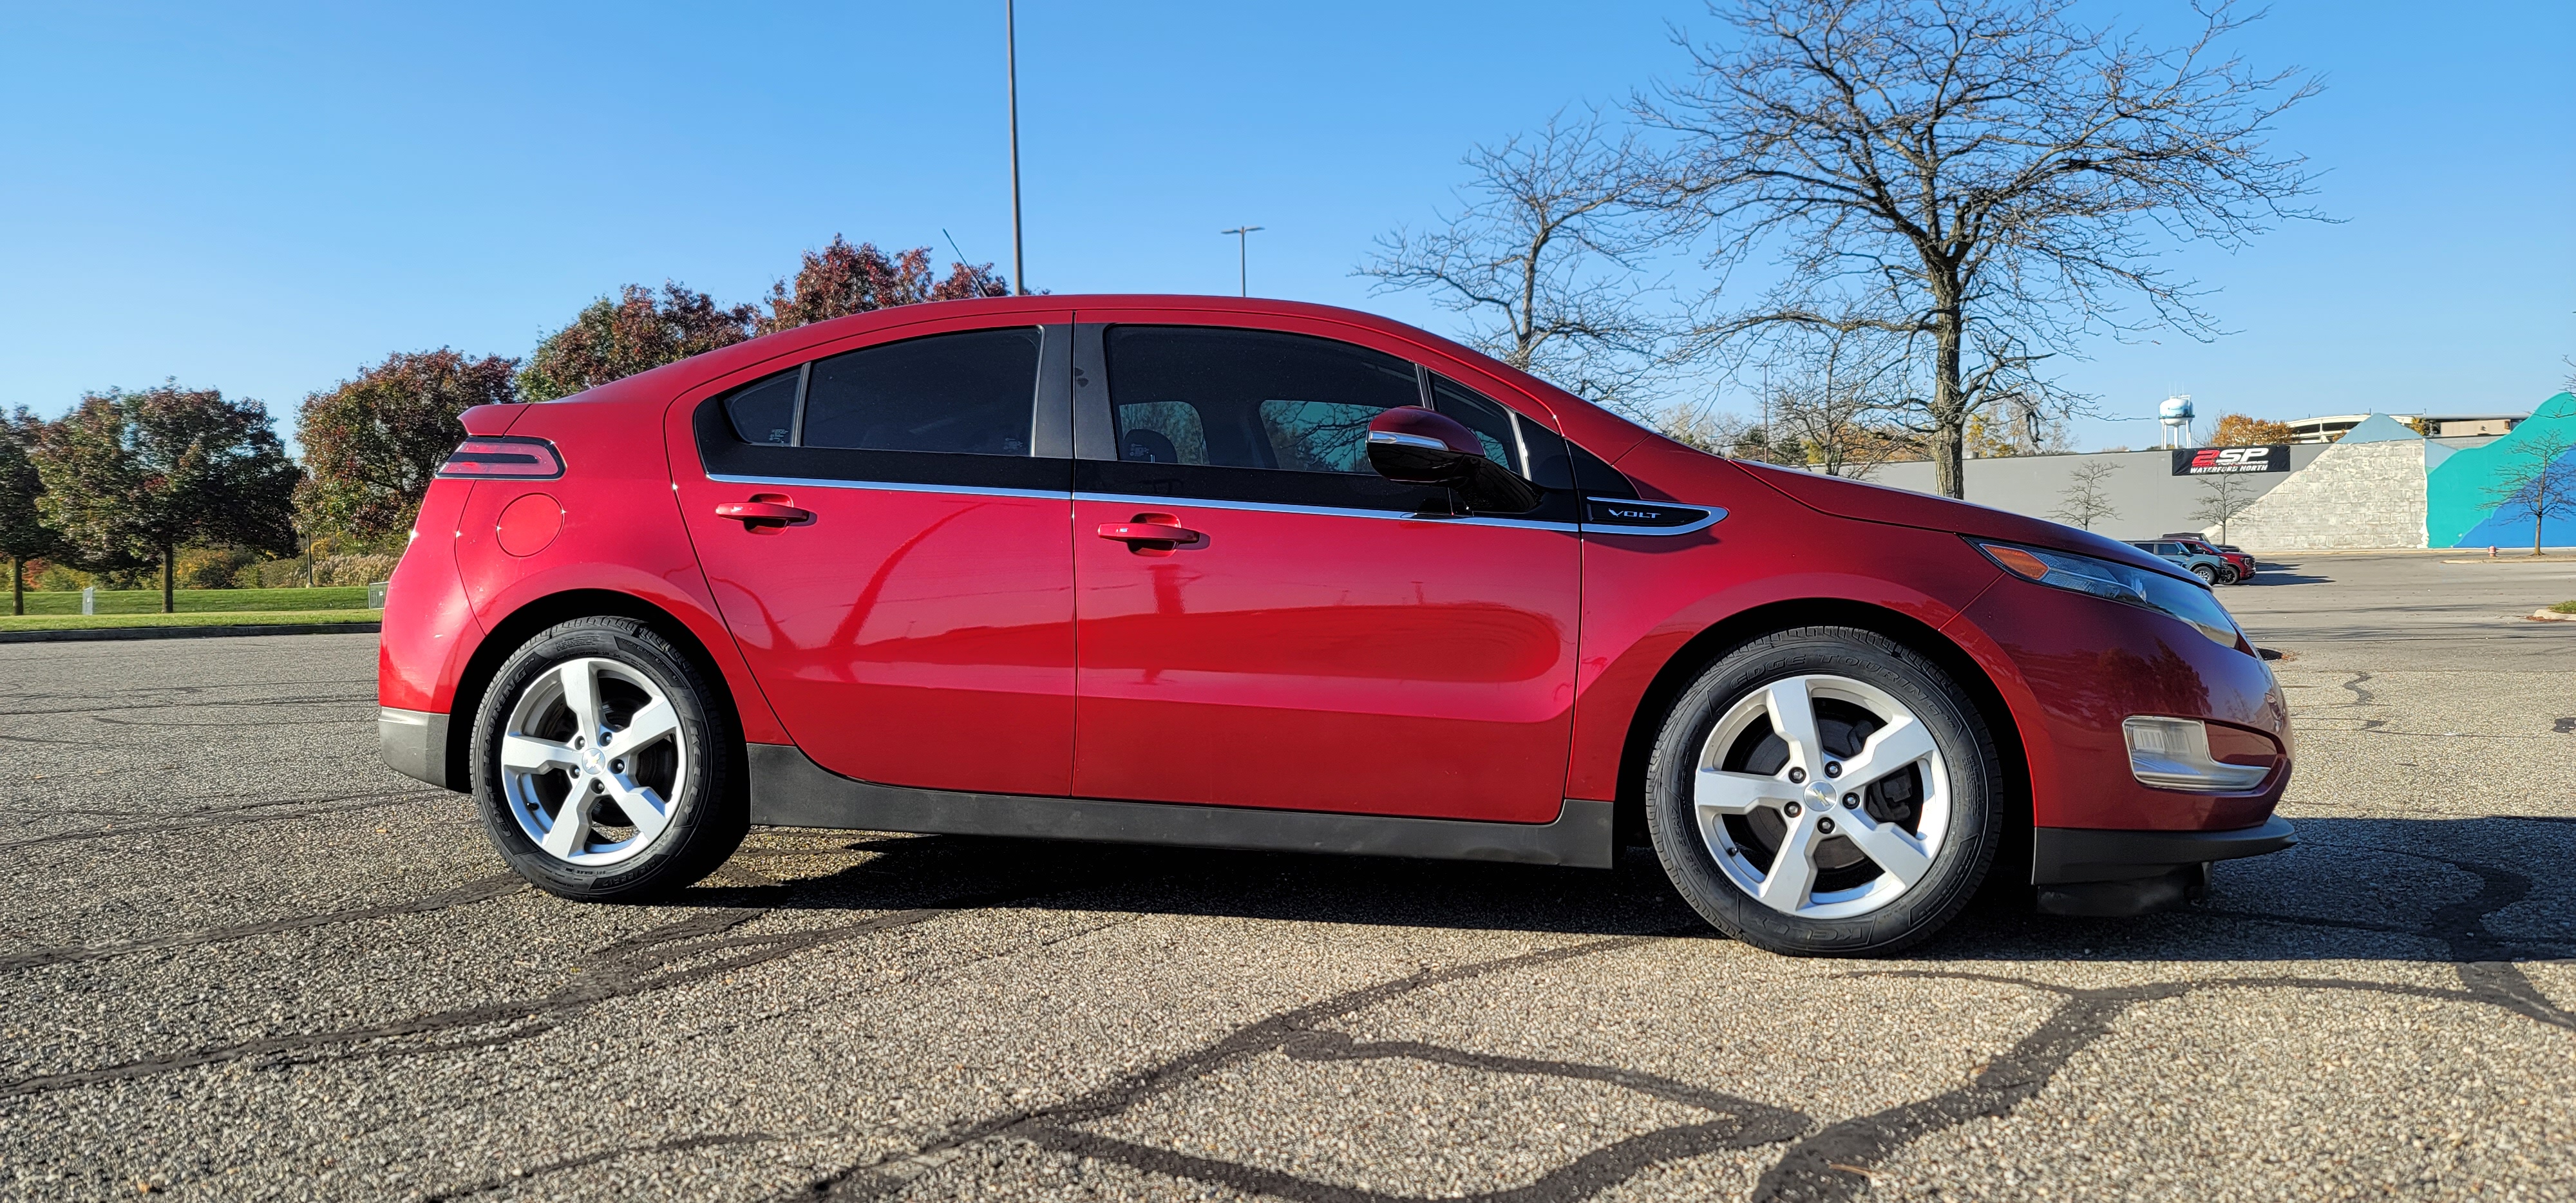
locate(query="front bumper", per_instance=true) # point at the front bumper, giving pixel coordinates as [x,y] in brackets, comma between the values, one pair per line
[414,743]
[2082,871]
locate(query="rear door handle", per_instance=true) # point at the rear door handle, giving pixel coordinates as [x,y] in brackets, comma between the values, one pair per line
[756,514]
[1161,531]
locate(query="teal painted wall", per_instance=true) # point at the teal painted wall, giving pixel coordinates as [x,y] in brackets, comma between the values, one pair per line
[2457,495]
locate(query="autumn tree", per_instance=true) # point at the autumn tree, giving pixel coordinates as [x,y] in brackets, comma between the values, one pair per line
[1986,179]
[132,477]
[2085,500]
[372,444]
[2237,430]
[1543,257]
[841,279]
[22,535]
[612,338]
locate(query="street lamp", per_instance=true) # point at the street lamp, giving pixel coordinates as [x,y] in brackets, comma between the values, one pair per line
[1011,68]
[1242,242]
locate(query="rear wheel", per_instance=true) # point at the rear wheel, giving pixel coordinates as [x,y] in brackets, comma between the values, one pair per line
[1825,791]
[604,764]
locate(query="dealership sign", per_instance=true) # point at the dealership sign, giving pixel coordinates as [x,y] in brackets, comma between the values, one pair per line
[2219,461]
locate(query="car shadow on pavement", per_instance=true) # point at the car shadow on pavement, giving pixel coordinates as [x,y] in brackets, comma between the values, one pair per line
[2430,890]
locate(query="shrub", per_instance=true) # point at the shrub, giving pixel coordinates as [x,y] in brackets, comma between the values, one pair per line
[353,569]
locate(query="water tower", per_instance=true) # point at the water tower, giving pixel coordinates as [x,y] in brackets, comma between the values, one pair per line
[2175,413]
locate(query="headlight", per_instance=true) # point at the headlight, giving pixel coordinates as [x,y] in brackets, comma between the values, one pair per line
[2190,602]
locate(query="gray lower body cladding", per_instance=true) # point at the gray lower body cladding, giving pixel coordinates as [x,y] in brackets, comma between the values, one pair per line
[414,743]
[789,790]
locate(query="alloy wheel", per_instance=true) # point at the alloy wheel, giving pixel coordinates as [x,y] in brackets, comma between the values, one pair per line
[1822,797]
[590,761]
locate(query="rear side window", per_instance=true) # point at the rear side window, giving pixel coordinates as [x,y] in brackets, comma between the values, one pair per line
[970,393]
[1249,398]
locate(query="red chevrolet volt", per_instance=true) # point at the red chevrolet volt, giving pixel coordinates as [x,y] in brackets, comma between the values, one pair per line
[1256,574]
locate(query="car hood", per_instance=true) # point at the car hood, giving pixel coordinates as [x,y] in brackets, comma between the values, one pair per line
[1904,507]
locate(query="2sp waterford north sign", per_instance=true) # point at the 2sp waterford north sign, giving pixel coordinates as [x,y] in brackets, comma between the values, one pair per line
[2220,461]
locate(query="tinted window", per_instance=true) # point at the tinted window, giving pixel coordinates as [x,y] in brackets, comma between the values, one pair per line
[972,393]
[764,411]
[1249,398]
[1509,439]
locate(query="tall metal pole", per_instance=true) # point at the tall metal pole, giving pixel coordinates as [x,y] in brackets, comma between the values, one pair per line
[1011,66]
[1242,258]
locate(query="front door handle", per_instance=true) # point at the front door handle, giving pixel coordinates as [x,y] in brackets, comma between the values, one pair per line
[1154,532]
[756,514]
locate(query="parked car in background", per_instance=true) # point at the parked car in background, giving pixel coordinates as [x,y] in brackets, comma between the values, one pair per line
[2200,560]
[2234,555]
[1336,578]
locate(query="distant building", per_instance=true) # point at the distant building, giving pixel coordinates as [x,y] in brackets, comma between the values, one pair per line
[2440,426]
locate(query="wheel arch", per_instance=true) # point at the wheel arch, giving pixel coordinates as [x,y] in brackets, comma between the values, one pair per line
[508,634]
[1706,648]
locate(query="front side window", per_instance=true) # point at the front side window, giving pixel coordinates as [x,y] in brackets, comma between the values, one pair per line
[1249,398]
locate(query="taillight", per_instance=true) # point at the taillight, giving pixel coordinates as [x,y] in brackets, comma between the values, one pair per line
[503,457]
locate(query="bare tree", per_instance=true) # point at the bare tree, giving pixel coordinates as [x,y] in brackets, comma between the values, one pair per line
[2084,501]
[2540,481]
[2222,498]
[1986,179]
[1545,259]
[1833,396]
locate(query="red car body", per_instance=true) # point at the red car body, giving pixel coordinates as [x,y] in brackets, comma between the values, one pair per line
[976,659]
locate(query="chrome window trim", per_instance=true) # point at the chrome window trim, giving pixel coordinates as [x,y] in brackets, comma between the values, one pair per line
[806,482]
[1320,511]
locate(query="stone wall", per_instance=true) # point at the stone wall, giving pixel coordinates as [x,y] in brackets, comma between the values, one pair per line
[2354,495]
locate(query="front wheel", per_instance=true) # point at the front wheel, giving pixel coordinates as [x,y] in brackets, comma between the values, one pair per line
[2207,574]
[1825,791]
[604,764]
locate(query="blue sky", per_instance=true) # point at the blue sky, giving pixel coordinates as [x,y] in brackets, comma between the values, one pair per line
[264,198]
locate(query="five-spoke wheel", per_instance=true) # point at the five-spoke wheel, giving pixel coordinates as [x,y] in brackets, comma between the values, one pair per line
[604,763]
[1824,790]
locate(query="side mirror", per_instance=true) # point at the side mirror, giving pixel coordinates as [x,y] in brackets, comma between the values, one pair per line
[1419,447]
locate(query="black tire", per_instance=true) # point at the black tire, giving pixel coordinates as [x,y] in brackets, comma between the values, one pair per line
[2227,575]
[1974,773]
[707,818]
[2207,574]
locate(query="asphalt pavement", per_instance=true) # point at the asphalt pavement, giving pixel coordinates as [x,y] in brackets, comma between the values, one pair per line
[241,960]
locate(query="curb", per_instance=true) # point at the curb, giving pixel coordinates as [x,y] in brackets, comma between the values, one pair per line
[207,632]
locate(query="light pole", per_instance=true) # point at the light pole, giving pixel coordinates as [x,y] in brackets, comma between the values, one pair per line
[1011,68]
[1242,255]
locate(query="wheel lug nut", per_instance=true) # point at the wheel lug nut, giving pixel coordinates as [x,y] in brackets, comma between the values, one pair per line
[605,736]
[1851,801]
[1793,810]
[1833,768]
[618,766]
[576,741]
[1825,826]
[1797,776]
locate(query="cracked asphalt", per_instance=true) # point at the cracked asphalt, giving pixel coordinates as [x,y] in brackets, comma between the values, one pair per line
[241,960]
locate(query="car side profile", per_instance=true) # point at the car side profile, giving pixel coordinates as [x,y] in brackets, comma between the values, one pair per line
[2199,560]
[1265,575]
[2236,557]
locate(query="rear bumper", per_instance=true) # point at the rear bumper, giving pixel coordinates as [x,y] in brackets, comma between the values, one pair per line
[2089,872]
[414,743]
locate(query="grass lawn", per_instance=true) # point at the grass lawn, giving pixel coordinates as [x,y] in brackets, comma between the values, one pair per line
[201,618]
[196,601]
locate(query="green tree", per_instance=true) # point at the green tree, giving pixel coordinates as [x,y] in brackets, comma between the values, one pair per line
[22,536]
[372,444]
[131,477]
[612,338]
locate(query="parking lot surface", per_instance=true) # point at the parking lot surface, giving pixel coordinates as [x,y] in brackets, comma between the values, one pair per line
[241,960]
